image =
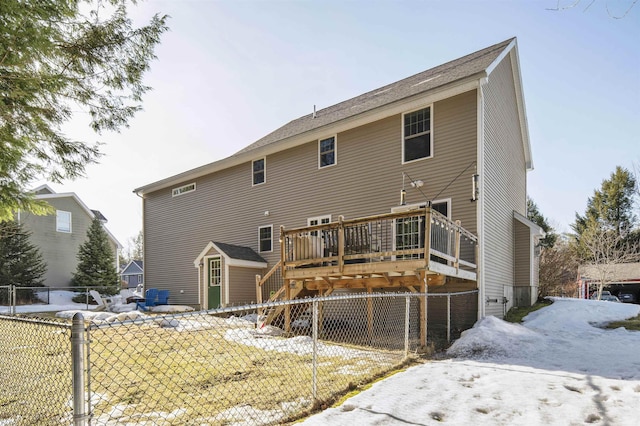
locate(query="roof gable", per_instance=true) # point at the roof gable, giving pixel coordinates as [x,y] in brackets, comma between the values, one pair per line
[134,267]
[234,255]
[422,82]
[462,74]
[44,192]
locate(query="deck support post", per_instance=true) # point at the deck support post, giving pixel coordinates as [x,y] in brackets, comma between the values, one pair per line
[259,293]
[370,315]
[287,308]
[423,312]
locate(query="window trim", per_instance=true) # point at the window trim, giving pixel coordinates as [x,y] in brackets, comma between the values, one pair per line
[431,133]
[264,171]
[58,228]
[335,151]
[184,189]
[260,239]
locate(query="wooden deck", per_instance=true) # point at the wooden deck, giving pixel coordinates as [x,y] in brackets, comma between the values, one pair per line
[412,250]
[389,250]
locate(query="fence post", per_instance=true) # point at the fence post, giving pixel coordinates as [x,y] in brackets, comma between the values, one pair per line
[449,317]
[406,325]
[12,299]
[77,361]
[314,358]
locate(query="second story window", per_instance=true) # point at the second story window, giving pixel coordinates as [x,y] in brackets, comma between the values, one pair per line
[327,152]
[416,132]
[63,221]
[258,169]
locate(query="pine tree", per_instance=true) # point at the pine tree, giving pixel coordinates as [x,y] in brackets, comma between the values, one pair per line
[58,58]
[21,263]
[534,215]
[96,261]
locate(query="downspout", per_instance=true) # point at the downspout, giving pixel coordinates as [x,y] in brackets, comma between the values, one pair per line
[480,202]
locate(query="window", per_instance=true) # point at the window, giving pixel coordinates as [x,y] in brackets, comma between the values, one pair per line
[183,189]
[409,232]
[265,239]
[215,271]
[327,152]
[417,141]
[139,279]
[258,168]
[63,221]
[320,220]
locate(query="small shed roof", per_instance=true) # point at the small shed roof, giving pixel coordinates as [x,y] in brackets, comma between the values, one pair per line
[234,255]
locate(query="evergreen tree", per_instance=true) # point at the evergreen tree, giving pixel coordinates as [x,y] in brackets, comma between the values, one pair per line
[610,210]
[58,57]
[534,215]
[21,263]
[611,207]
[96,261]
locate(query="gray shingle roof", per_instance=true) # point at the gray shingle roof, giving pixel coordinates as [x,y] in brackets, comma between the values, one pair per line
[239,252]
[425,81]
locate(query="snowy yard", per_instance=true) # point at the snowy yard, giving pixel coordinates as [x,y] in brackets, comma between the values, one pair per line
[558,368]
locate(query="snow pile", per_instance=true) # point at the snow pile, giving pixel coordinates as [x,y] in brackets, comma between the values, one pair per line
[558,368]
[492,337]
[102,316]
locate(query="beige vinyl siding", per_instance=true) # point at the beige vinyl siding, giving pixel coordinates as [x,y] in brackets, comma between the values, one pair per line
[504,184]
[522,245]
[522,268]
[59,249]
[242,284]
[366,181]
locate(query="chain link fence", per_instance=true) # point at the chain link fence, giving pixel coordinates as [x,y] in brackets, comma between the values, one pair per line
[254,365]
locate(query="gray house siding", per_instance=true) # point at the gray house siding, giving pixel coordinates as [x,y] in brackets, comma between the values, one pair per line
[366,180]
[59,249]
[504,186]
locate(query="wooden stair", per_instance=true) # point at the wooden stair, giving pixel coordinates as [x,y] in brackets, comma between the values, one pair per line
[296,289]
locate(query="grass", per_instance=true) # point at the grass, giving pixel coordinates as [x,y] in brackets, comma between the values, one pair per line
[517,314]
[140,372]
[629,324]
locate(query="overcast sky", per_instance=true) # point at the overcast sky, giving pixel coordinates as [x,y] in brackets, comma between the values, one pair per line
[230,71]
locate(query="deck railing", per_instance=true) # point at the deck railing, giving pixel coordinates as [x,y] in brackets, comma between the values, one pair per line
[420,238]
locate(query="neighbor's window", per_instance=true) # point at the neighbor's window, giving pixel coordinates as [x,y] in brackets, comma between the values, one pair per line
[327,149]
[265,238]
[417,141]
[63,221]
[183,189]
[258,168]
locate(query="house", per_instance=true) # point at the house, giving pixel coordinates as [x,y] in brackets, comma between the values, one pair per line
[60,235]
[132,274]
[420,183]
[618,278]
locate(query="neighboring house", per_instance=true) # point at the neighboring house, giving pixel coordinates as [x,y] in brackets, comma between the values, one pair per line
[59,235]
[133,274]
[618,278]
[432,137]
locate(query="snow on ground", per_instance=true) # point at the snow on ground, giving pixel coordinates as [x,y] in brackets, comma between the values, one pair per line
[558,368]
